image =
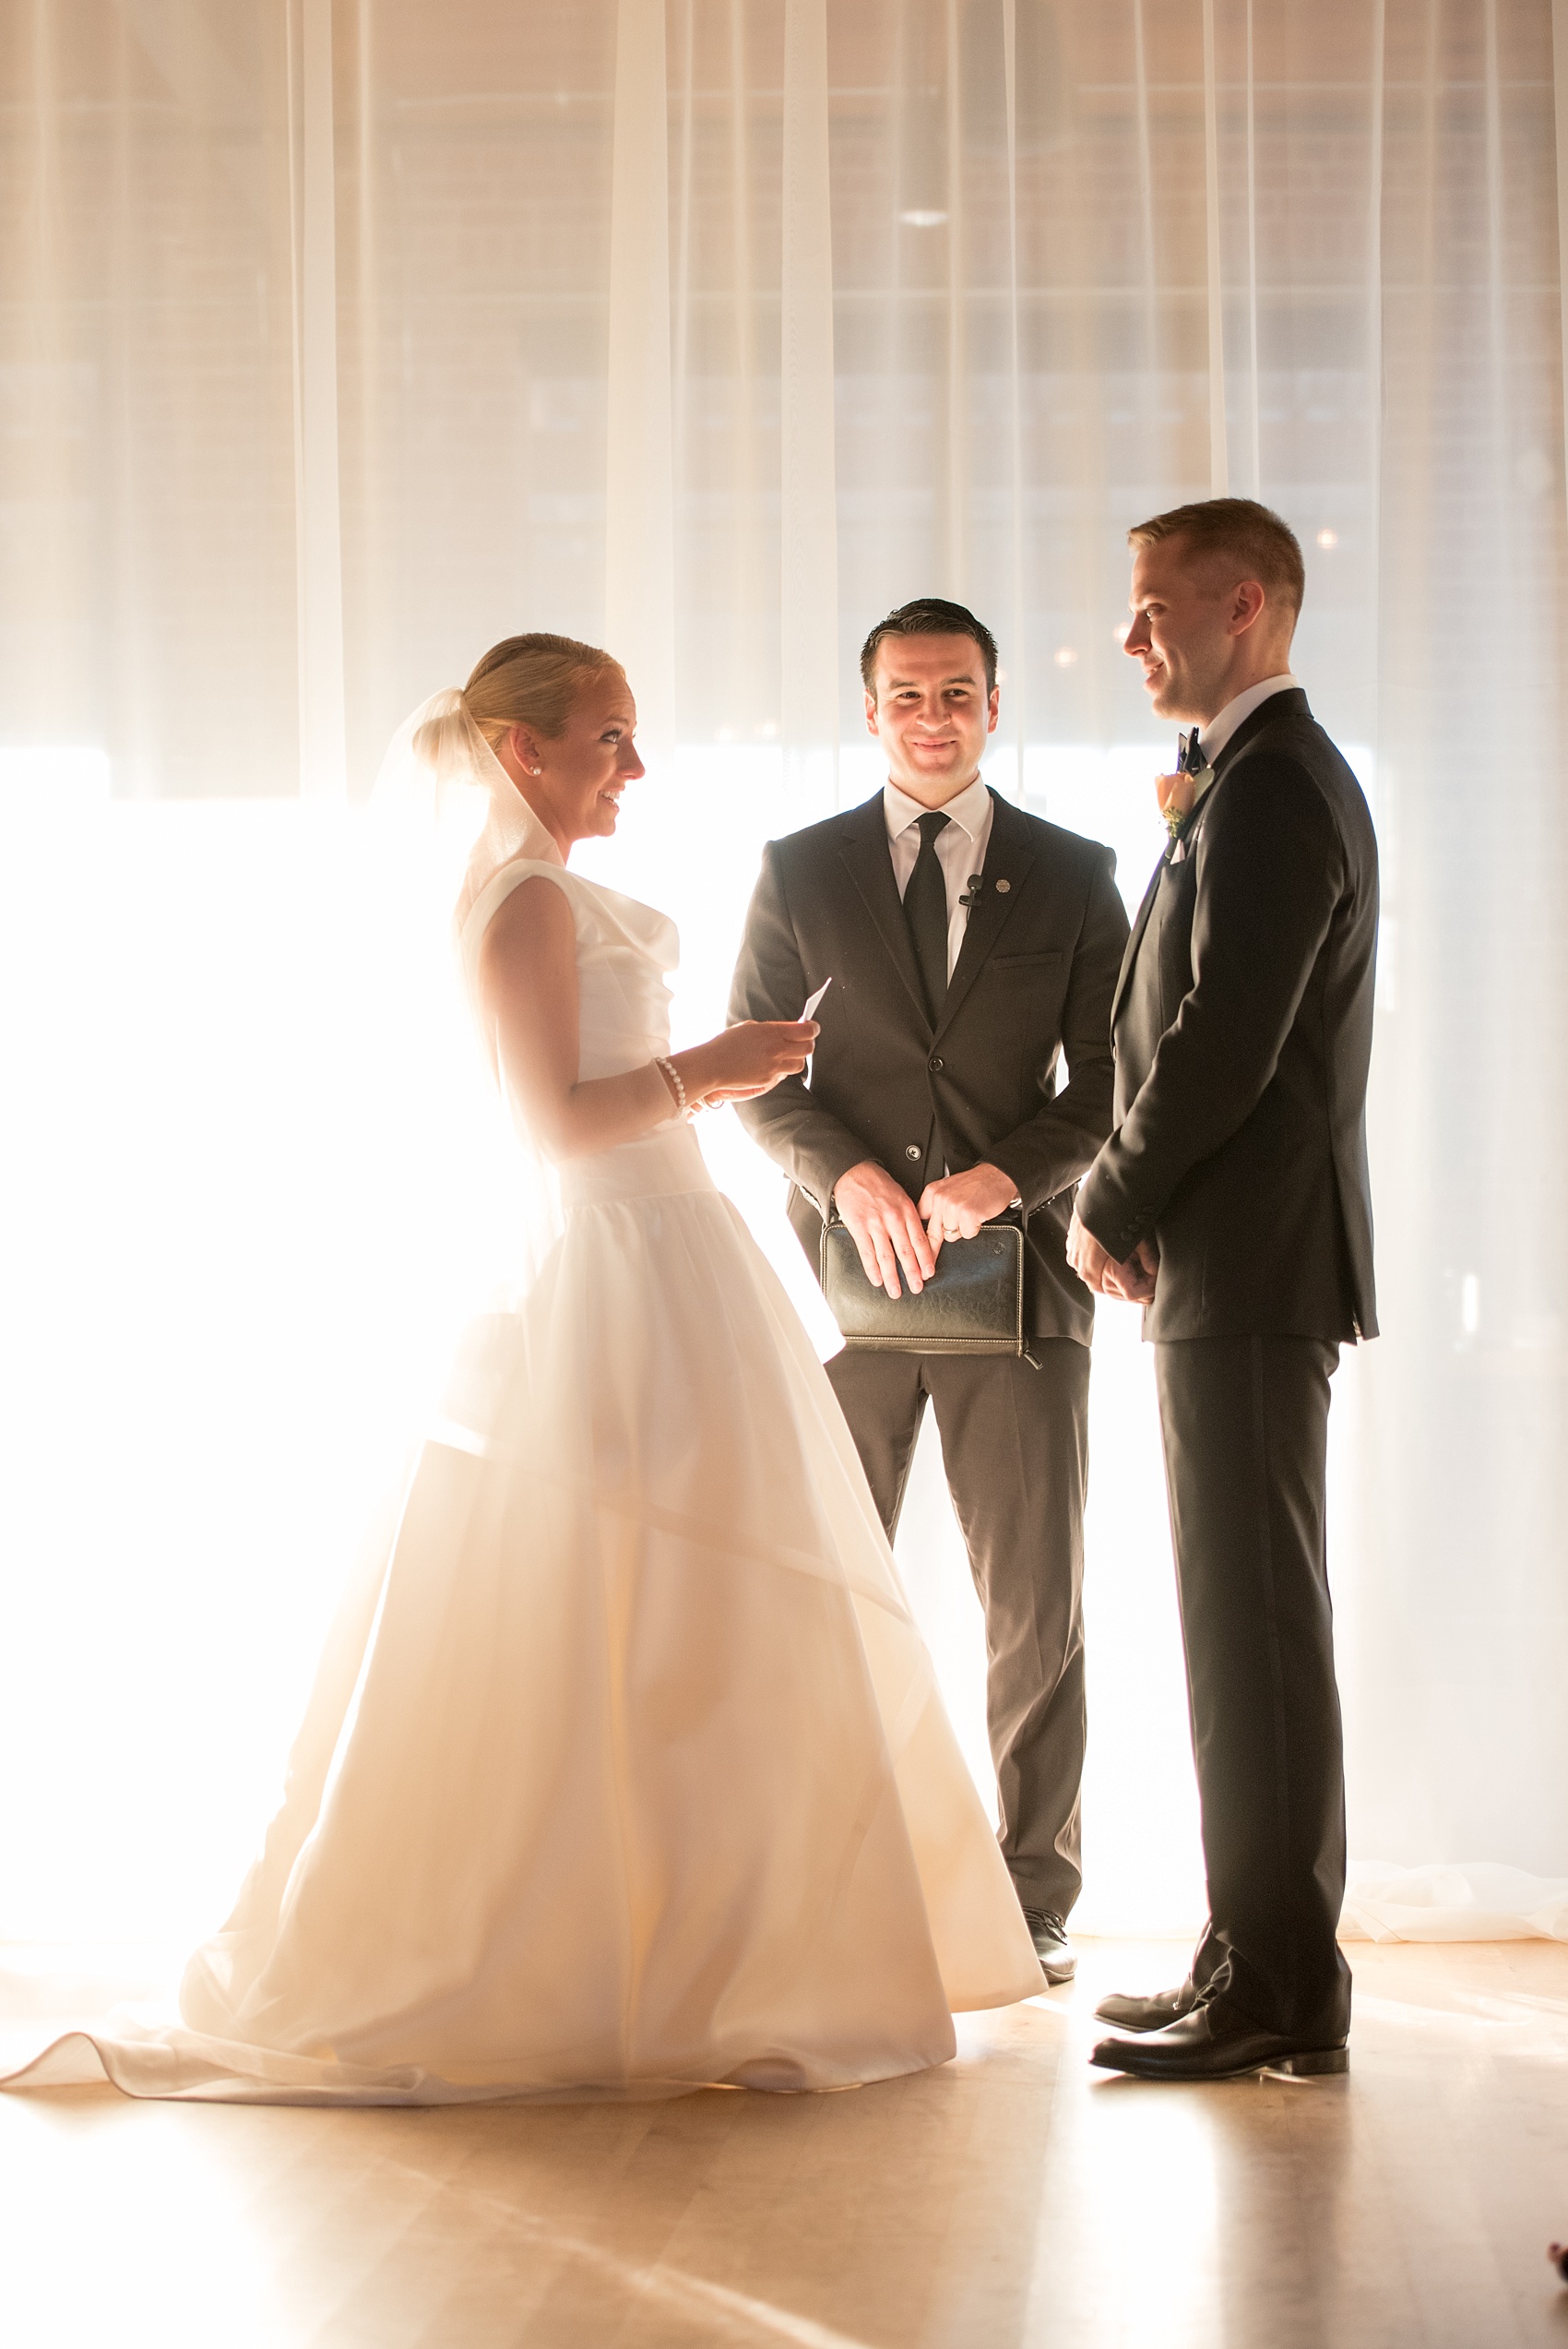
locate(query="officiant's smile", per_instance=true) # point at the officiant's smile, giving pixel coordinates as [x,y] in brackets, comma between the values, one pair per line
[931,712]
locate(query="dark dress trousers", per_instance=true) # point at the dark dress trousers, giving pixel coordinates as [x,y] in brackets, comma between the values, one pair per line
[1242,1028]
[1031,986]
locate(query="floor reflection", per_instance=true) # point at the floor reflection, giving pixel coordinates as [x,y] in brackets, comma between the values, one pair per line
[1016,2198]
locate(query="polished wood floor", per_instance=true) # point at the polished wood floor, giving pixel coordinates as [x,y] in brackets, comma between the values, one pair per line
[1015,2198]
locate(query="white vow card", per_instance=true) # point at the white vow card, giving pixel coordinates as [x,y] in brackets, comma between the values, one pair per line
[809,1011]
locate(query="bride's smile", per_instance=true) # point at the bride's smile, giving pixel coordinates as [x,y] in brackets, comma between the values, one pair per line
[573,780]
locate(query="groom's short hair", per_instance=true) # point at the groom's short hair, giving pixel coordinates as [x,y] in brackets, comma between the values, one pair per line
[1240,530]
[929,615]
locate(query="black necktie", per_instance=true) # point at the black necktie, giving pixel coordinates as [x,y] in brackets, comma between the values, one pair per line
[925,909]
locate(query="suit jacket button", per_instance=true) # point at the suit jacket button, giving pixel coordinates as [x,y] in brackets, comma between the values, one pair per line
[913,1150]
[935,1061]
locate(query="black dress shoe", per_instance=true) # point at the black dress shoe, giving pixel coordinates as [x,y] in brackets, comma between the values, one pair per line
[1216,2043]
[1058,1960]
[1147,2014]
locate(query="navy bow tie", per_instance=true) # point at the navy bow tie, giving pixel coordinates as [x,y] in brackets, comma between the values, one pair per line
[1190,759]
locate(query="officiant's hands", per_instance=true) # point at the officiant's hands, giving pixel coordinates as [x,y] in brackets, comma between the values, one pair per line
[885,1226]
[1133,1281]
[956,1206]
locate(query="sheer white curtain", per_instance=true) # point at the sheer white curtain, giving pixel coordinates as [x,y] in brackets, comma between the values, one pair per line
[343,337]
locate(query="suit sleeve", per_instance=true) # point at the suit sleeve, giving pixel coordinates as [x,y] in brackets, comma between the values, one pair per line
[1050,1150]
[806,1140]
[1270,870]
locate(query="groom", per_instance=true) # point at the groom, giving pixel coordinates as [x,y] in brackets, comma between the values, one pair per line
[1233,1200]
[971,948]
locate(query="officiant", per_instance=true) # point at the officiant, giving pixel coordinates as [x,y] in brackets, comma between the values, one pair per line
[960,1085]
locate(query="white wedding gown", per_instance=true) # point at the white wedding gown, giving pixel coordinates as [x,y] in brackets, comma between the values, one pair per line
[635,1778]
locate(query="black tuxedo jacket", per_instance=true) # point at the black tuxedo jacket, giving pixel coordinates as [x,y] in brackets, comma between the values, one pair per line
[1033,982]
[1243,1023]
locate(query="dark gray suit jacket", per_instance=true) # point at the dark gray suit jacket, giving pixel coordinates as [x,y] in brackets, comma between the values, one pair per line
[1244,1022]
[1033,980]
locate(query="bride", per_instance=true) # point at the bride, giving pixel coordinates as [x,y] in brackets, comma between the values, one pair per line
[636,1778]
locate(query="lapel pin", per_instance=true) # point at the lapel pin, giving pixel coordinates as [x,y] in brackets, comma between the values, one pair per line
[1002,888]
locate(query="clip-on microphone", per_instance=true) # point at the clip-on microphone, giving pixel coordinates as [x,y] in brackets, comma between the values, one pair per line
[972,896]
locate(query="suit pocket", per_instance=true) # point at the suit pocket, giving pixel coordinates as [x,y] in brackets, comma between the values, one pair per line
[1025,961]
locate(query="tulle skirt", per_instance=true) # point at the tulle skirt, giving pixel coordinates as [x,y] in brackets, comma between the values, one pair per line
[630,1775]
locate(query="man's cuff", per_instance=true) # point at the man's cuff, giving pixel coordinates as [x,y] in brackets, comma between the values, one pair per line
[1007,1173]
[1112,1225]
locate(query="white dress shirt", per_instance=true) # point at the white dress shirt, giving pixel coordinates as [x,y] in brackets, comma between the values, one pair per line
[1213,737]
[960,847]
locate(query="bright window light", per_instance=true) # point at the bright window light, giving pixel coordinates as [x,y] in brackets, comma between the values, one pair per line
[62,774]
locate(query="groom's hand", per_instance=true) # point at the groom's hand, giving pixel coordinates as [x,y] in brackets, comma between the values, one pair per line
[885,1224]
[1134,1281]
[956,1206]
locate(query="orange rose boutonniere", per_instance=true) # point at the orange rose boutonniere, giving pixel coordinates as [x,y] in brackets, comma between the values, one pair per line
[1178,795]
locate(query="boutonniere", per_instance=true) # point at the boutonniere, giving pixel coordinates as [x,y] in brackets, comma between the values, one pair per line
[1179,794]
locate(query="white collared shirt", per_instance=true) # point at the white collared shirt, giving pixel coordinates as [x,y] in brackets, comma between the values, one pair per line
[1213,737]
[960,847]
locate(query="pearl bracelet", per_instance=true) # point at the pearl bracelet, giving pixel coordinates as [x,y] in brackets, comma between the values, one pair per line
[671,1077]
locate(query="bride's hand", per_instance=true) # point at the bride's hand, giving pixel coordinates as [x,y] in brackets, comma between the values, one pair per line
[747,1059]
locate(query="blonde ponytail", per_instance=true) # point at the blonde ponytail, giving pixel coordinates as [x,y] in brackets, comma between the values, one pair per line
[524,681]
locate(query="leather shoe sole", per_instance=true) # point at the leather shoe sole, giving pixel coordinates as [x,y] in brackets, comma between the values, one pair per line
[1214,2043]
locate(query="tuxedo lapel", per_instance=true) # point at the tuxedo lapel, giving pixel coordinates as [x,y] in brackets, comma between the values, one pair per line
[1008,857]
[1136,940]
[863,846]
[1291,703]
[1177,852]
